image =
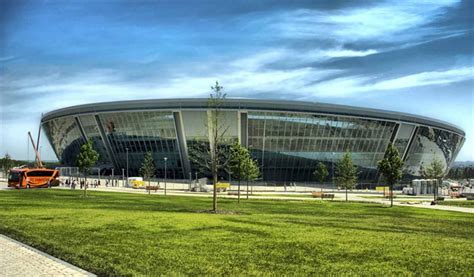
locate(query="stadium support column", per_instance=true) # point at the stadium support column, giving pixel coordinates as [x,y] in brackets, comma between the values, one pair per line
[394,134]
[243,123]
[106,142]
[81,129]
[410,142]
[182,145]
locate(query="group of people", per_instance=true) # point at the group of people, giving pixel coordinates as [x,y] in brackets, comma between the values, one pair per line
[72,183]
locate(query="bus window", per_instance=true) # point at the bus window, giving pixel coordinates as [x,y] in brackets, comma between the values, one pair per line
[40,173]
[14,176]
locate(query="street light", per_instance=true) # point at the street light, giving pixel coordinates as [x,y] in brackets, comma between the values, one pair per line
[126,149]
[123,177]
[332,164]
[165,173]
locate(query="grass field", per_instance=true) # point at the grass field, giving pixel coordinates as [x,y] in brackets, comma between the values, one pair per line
[134,234]
[467,204]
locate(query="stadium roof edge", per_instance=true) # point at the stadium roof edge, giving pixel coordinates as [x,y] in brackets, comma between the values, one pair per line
[251,104]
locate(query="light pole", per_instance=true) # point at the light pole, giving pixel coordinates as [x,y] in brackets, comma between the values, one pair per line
[332,163]
[126,149]
[165,173]
[123,177]
[190,180]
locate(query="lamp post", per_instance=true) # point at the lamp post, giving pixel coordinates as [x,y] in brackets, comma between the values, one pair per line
[332,171]
[126,149]
[165,173]
[123,177]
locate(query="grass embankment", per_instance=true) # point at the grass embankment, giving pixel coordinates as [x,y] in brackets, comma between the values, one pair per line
[131,234]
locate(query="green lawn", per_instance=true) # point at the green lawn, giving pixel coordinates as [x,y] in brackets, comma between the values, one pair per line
[467,204]
[134,234]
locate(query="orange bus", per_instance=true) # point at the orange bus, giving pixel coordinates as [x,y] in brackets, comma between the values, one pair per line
[33,178]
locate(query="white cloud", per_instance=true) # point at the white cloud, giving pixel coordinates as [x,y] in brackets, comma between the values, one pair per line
[7,58]
[426,78]
[385,21]
[342,53]
[351,85]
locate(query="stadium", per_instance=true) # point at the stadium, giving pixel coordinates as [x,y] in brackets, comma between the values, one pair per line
[287,138]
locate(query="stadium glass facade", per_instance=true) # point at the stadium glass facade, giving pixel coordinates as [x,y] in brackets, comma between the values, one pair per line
[287,138]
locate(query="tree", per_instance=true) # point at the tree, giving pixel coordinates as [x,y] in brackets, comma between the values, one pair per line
[391,168]
[250,171]
[86,159]
[148,168]
[238,156]
[216,141]
[7,163]
[212,156]
[321,173]
[435,171]
[346,173]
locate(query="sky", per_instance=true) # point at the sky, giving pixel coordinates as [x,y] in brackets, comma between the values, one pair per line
[408,56]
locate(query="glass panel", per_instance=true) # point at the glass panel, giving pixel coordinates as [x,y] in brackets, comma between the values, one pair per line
[430,144]
[143,132]
[295,143]
[91,130]
[65,138]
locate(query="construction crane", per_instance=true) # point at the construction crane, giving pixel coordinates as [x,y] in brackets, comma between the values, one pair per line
[39,164]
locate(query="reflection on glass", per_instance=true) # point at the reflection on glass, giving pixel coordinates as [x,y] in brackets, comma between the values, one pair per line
[141,132]
[65,138]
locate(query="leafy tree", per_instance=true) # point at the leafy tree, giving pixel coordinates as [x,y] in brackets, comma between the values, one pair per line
[435,171]
[250,171]
[86,159]
[346,173]
[148,168]
[321,173]
[7,164]
[237,159]
[391,168]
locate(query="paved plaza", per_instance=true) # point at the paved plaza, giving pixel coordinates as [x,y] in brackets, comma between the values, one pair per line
[18,259]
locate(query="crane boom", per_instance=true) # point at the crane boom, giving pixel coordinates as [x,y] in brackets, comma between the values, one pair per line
[38,159]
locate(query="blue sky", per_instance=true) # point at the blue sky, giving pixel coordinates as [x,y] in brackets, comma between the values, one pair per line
[414,57]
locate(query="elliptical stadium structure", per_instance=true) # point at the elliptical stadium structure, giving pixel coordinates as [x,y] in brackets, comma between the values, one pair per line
[287,138]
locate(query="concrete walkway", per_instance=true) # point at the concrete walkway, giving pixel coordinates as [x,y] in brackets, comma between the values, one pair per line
[18,259]
[424,205]
[339,196]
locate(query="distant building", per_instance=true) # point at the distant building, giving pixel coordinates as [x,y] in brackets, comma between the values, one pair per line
[287,138]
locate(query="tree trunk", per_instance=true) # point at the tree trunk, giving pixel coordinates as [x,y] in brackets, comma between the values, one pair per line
[85,184]
[214,194]
[346,194]
[238,192]
[149,187]
[391,195]
[247,189]
[240,177]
